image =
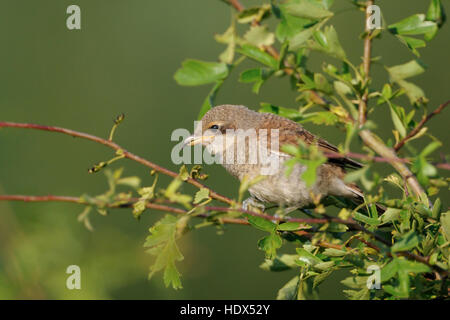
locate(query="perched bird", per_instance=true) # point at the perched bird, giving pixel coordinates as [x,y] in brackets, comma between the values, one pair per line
[220,131]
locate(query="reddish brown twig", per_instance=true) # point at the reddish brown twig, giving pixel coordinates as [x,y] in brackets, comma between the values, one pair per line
[116,147]
[226,220]
[237,5]
[416,130]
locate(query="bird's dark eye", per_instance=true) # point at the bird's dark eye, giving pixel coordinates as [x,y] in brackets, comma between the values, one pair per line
[214,127]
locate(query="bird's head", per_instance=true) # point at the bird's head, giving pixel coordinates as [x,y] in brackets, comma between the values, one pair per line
[220,121]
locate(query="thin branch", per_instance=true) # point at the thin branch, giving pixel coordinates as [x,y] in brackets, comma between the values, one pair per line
[350,222]
[119,149]
[236,4]
[416,130]
[366,64]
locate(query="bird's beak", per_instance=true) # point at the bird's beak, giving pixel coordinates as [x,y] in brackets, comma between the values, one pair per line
[194,140]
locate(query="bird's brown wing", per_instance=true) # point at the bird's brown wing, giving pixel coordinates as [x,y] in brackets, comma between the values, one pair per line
[290,132]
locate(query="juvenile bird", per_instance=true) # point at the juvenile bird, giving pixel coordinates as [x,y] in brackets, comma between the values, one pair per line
[226,132]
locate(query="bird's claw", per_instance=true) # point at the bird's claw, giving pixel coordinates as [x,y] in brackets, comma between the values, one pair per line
[250,203]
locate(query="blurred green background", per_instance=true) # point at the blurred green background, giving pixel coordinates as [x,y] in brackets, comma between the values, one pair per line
[123,60]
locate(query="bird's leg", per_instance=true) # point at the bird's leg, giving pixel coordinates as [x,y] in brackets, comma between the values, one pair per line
[283,212]
[251,202]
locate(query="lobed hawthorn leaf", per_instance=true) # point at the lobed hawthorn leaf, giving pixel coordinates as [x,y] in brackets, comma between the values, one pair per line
[196,72]
[289,25]
[201,195]
[401,268]
[162,244]
[407,242]
[259,36]
[269,244]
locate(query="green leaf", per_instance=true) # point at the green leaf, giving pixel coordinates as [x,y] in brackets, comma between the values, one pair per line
[402,268]
[201,195]
[415,94]
[289,290]
[407,242]
[430,148]
[307,258]
[292,226]
[300,39]
[209,100]
[322,117]
[371,221]
[390,215]
[309,176]
[415,25]
[362,294]
[436,13]
[133,182]
[398,123]
[162,244]
[284,112]
[328,42]
[445,222]
[399,73]
[259,55]
[324,266]
[254,14]
[259,36]
[230,38]
[196,72]
[331,252]
[269,244]
[404,71]
[289,25]
[172,193]
[355,282]
[389,270]
[412,43]
[280,263]
[261,223]
[321,277]
[258,75]
[146,194]
[308,10]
